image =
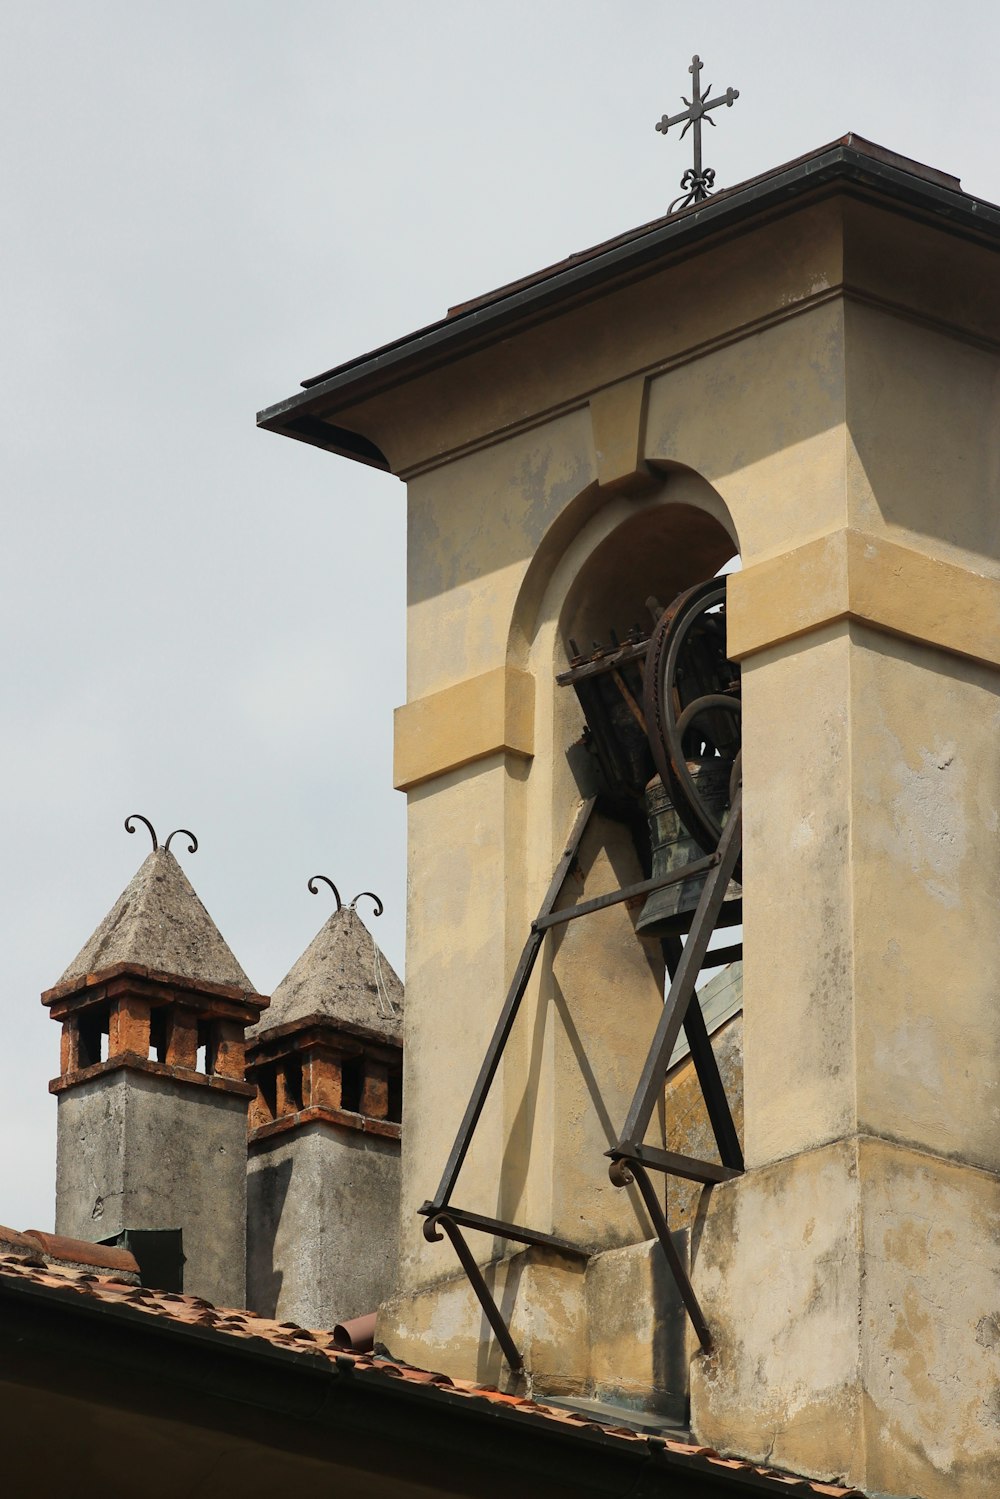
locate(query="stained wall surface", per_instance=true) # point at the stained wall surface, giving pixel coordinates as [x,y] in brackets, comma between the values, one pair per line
[504,517]
[322,1220]
[824,388]
[141,1152]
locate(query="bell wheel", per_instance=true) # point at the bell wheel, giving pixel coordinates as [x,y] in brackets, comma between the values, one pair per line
[692,705]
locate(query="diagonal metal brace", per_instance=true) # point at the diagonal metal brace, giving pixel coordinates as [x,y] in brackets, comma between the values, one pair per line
[630,1157]
[623,1172]
[713,1090]
[682,987]
[500,1229]
[436,1211]
[467,1260]
[508,1014]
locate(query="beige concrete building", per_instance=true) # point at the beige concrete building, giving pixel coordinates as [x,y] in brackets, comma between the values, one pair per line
[621,1252]
[803,372]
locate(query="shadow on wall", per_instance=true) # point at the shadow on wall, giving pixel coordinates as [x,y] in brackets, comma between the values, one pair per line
[267,1188]
[658,550]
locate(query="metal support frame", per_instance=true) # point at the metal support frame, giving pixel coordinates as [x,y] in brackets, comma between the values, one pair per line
[467,1260]
[508,1014]
[631,1159]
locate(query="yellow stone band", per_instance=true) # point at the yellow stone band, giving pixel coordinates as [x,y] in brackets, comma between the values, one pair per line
[490,714]
[850,575]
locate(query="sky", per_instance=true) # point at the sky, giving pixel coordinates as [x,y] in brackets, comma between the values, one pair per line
[205,203]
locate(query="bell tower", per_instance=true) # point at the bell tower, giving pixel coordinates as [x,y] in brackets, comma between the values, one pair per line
[802,370]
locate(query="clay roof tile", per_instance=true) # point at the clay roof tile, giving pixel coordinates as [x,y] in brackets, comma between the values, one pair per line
[80,1252]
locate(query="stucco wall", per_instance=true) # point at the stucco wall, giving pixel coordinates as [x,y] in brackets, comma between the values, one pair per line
[826,387]
[135,1151]
[322,1224]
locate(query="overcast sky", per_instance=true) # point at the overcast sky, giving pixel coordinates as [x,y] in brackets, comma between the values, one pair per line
[205,203]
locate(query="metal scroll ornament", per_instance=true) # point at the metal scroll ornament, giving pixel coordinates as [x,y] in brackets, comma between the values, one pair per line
[692,709]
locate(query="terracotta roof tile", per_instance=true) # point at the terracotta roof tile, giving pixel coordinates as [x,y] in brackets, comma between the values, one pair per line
[14,1242]
[80,1252]
[193,1311]
[45,1248]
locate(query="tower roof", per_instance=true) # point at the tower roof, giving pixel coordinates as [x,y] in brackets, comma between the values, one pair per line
[342,977]
[158,922]
[318,412]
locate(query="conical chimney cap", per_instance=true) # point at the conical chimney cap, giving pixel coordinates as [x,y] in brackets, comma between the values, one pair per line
[342,977]
[158,922]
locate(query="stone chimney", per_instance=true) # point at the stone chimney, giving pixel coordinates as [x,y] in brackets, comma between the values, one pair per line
[152,1091]
[324,1156]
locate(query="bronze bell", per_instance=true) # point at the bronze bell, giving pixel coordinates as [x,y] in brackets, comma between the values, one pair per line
[670,911]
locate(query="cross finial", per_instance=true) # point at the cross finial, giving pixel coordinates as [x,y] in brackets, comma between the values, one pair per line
[698,180]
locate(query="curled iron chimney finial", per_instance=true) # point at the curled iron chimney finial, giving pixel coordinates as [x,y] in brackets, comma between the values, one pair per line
[138,817]
[192,846]
[326,881]
[379,908]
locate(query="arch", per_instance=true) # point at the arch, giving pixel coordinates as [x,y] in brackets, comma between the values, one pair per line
[603,557]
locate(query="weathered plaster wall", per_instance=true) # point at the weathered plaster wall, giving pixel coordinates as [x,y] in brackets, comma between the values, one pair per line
[472,528]
[925,845]
[797,905]
[462,943]
[905,852]
[322,1224]
[872,1038]
[609,1327]
[872,1352]
[727,291]
[778,1267]
[498,539]
[842,424]
[636,1330]
[542,1296]
[930,1350]
[136,1151]
[922,409]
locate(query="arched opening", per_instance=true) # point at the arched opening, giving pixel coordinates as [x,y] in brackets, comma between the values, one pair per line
[653,553]
[579,1032]
[626,563]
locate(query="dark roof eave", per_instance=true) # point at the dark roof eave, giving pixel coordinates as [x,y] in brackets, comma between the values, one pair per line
[491,317]
[62,1343]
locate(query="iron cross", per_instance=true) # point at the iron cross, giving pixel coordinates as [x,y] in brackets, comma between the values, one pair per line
[697,181]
